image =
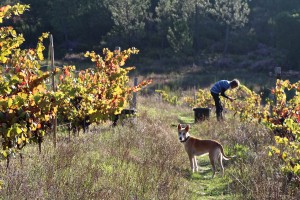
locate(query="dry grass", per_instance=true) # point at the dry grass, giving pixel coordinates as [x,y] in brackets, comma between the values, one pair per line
[127,162]
[144,160]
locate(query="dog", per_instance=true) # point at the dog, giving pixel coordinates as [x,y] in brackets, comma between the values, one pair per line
[196,147]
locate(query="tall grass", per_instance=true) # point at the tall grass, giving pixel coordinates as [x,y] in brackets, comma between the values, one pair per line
[144,160]
[137,161]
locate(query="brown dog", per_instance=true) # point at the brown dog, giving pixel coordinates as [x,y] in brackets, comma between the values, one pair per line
[196,147]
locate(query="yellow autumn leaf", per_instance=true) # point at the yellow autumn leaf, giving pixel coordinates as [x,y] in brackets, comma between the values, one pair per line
[19,140]
[21,74]
[55,109]
[270,153]
[1,184]
[4,153]
[3,59]
[47,117]
[284,155]
[296,169]
[278,139]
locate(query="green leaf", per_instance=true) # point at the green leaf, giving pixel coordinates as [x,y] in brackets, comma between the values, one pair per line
[4,154]
[37,99]
[18,130]
[9,103]
[8,132]
[3,59]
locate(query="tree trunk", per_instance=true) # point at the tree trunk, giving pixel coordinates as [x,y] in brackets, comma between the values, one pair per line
[226,40]
[196,30]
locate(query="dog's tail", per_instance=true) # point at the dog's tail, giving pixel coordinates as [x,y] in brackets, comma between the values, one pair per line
[223,154]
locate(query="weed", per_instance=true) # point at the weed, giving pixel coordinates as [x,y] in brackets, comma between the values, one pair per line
[145,160]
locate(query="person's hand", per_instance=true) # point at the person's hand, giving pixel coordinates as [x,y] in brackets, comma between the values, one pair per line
[231,99]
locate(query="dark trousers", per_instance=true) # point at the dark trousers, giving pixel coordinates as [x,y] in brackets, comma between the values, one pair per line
[219,107]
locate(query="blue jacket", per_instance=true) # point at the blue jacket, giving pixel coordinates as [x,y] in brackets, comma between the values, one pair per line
[220,87]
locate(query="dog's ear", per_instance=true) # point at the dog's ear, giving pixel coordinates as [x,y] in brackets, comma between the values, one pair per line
[179,127]
[187,128]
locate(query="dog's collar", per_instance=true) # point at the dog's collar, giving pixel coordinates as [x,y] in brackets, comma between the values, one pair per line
[185,139]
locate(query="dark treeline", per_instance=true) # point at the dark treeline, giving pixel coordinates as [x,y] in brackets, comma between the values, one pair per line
[266,33]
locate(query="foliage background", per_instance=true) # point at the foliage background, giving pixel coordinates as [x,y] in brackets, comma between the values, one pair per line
[263,34]
[194,33]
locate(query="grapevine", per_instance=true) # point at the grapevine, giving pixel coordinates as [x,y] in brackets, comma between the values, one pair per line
[285,122]
[26,107]
[96,94]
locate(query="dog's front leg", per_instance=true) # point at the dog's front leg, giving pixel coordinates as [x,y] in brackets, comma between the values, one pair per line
[191,157]
[195,164]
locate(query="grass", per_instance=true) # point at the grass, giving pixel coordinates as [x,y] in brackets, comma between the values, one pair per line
[188,77]
[144,160]
[202,186]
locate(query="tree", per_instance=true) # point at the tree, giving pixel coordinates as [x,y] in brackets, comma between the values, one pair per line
[179,36]
[178,22]
[77,25]
[78,21]
[9,2]
[289,40]
[232,13]
[275,23]
[129,17]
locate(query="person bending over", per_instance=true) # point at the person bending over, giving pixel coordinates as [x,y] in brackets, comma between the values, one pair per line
[219,88]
